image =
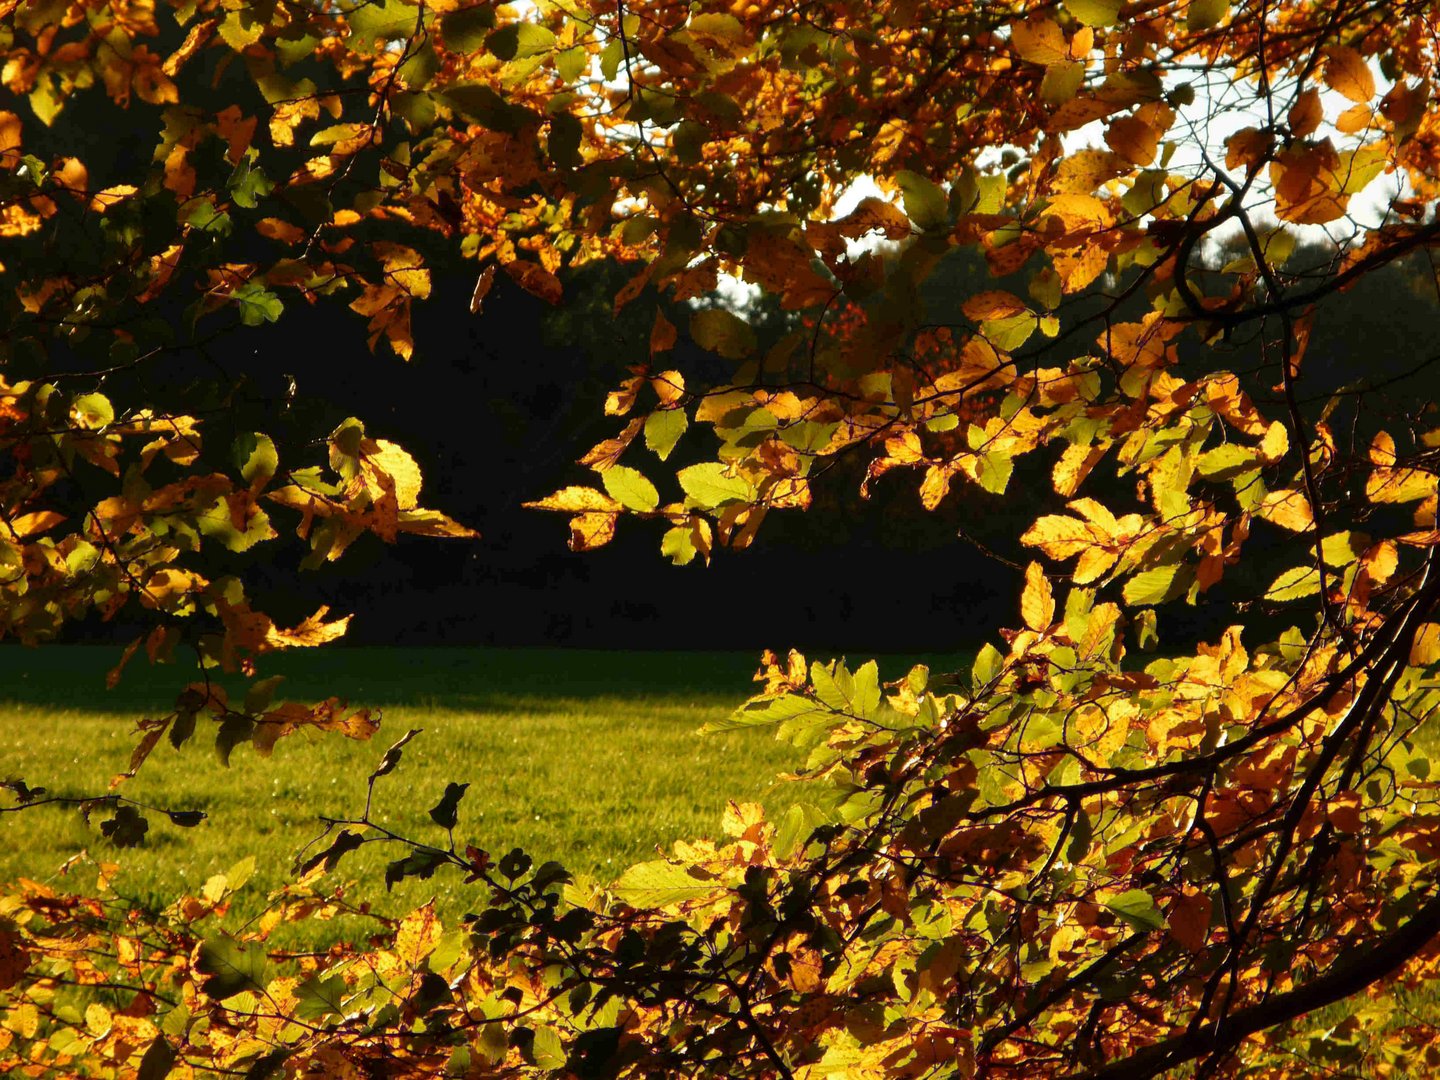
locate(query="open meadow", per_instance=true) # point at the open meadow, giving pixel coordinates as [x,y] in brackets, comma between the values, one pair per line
[590,758]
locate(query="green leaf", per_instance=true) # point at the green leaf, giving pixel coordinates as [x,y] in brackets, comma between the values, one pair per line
[1203,14]
[658,883]
[710,487]
[795,827]
[786,709]
[571,63]
[420,863]
[926,203]
[1061,83]
[520,40]
[247,184]
[92,411]
[319,997]
[1158,585]
[988,663]
[255,453]
[380,21]
[234,730]
[630,489]
[345,842]
[216,522]
[1094,12]
[1225,462]
[480,103]
[857,695]
[1137,910]
[257,304]
[465,31]
[547,1051]
[723,332]
[446,812]
[260,693]
[1009,333]
[995,471]
[1343,548]
[127,828]
[678,545]
[231,969]
[564,143]
[663,430]
[201,213]
[159,1059]
[1295,583]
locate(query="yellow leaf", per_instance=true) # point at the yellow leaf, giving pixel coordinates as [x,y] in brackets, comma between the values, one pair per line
[98,1020]
[590,531]
[401,470]
[1276,443]
[418,934]
[1037,602]
[1289,509]
[576,500]
[1039,41]
[1074,465]
[104,200]
[313,631]
[1425,649]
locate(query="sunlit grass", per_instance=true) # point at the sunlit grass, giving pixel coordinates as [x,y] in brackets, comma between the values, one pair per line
[590,758]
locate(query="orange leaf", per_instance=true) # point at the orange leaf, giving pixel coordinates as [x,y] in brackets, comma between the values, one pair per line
[1188,921]
[536,280]
[1133,139]
[662,334]
[669,386]
[994,304]
[1306,114]
[104,200]
[33,524]
[283,231]
[1347,73]
[1355,119]
[1247,147]
[10,142]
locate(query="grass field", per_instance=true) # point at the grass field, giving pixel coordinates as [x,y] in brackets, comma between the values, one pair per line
[591,758]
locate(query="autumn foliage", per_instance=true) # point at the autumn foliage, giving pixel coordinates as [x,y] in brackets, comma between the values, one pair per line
[1072,860]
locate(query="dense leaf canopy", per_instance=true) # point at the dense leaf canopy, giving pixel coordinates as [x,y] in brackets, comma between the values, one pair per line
[1072,860]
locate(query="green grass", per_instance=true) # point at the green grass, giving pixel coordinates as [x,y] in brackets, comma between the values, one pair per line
[591,758]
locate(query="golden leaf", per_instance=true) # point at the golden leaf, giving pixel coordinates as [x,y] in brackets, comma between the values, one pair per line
[1037,602]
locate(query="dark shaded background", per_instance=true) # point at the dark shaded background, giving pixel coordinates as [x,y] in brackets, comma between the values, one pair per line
[496,407]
